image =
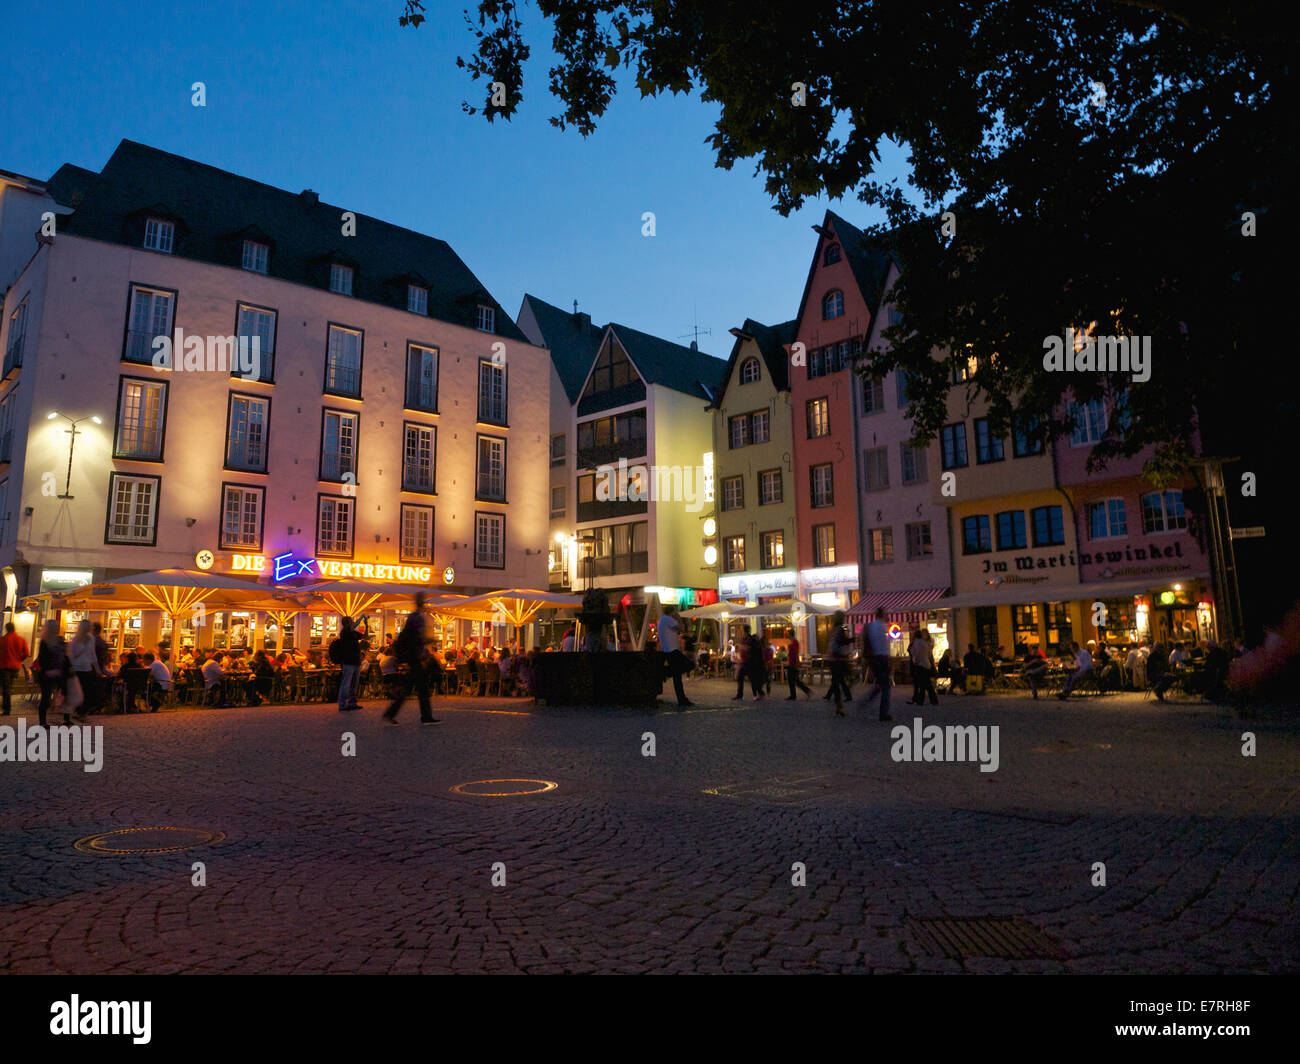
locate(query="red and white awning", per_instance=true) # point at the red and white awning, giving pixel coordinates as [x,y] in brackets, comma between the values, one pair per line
[901,607]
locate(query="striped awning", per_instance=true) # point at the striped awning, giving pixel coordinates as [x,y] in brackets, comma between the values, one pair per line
[902,607]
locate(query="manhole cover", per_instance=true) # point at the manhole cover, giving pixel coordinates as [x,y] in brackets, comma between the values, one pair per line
[503,788]
[984,936]
[148,840]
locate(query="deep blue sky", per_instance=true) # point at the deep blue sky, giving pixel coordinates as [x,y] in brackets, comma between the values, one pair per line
[336,97]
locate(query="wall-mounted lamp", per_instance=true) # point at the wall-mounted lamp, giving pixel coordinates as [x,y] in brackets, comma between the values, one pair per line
[190,522]
[28,511]
[72,442]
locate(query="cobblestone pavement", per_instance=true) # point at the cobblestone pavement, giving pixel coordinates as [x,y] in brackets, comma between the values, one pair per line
[681,862]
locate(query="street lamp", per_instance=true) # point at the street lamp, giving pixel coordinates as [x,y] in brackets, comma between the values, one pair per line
[72,442]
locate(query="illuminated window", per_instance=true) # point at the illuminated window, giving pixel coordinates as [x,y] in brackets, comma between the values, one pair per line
[882,545]
[819,418]
[823,544]
[246,433]
[132,509]
[419,455]
[241,517]
[417,533]
[733,554]
[343,362]
[771,550]
[141,412]
[334,522]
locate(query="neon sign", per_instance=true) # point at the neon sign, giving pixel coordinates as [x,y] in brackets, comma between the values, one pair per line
[288,566]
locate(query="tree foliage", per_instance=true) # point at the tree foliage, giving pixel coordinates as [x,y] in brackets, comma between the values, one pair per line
[1097,158]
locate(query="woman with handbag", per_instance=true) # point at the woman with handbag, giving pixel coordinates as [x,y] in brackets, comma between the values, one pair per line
[52,672]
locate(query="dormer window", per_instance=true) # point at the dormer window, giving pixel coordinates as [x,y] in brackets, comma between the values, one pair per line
[487,319]
[159,235]
[832,305]
[340,279]
[417,299]
[832,255]
[749,371]
[256,256]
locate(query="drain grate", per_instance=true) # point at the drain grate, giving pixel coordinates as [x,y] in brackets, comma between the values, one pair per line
[127,841]
[984,936]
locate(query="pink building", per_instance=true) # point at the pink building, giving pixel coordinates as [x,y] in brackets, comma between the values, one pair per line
[833,325]
[1138,549]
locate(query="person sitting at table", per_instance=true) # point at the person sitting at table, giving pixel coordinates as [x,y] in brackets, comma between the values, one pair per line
[977,663]
[213,691]
[263,676]
[1082,667]
[1133,665]
[1034,669]
[1216,672]
[388,666]
[161,678]
[1159,675]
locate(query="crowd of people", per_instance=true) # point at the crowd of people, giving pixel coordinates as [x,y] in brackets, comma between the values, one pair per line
[79,676]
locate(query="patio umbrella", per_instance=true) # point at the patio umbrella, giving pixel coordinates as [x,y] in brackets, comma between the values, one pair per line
[514,606]
[714,611]
[173,591]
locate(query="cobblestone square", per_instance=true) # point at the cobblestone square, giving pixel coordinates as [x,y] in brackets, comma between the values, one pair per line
[680,862]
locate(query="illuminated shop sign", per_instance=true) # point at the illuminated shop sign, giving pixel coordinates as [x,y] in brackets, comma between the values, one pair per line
[830,576]
[64,579]
[751,585]
[289,566]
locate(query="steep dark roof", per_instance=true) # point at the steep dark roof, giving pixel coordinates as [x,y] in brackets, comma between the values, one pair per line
[870,267]
[575,342]
[771,341]
[215,208]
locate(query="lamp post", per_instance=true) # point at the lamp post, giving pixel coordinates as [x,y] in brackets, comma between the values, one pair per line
[1223,560]
[72,443]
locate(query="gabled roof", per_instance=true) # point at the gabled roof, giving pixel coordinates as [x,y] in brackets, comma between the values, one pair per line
[575,342]
[215,204]
[771,341]
[870,267]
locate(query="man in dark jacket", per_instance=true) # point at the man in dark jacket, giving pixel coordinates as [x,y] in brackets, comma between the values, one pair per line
[348,654]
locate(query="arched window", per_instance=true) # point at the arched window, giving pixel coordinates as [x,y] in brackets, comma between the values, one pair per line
[749,371]
[832,304]
[832,255]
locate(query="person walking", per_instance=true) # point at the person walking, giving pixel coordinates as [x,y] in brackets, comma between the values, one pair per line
[670,653]
[103,686]
[921,653]
[84,662]
[875,640]
[52,671]
[348,655]
[750,667]
[792,669]
[13,653]
[410,649]
[1082,667]
[838,652]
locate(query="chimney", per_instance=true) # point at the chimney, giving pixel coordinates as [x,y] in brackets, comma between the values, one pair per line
[312,199]
[695,346]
